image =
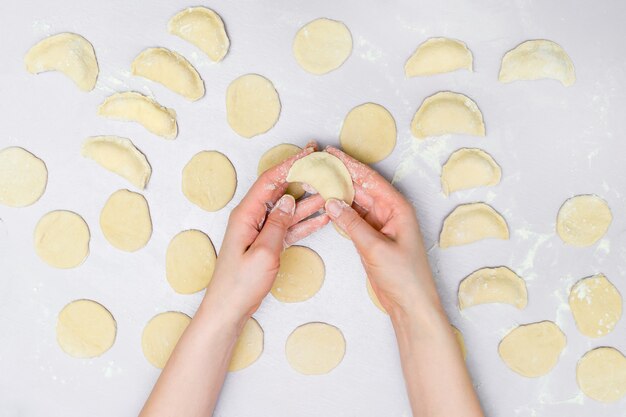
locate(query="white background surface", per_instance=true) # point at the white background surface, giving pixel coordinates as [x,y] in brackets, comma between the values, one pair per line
[552,143]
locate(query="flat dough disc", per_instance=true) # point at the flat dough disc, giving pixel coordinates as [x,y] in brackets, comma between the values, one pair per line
[252,105]
[209,180]
[300,276]
[373,296]
[596,305]
[368,133]
[23,177]
[583,220]
[190,261]
[315,348]
[249,346]
[62,239]
[161,335]
[601,374]
[277,155]
[125,220]
[322,45]
[85,329]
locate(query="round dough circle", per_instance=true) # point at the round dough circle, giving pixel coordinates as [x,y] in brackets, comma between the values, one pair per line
[23,177]
[601,374]
[373,296]
[125,220]
[275,156]
[368,133]
[300,276]
[252,105]
[322,45]
[161,334]
[249,346]
[209,180]
[583,220]
[189,261]
[596,306]
[62,239]
[85,329]
[315,348]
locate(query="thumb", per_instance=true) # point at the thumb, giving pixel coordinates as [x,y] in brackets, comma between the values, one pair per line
[272,235]
[348,220]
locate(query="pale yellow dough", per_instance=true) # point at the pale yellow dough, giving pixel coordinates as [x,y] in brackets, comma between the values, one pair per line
[202,27]
[125,220]
[373,296]
[249,346]
[189,262]
[438,55]
[596,305]
[23,177]
[536,59]
[601,374]
[315,348]
[471,222]
[532,350]
[460,340]
[275,156]
[252,105]
[368,133]
[119,156]
[300,276]
[68,53]
[170,69]
[85,329]
[469,168]
[326,173]
[62,239]
[583,220]
[161,335]
[135,107]
[209,180]
[447,113]
[493,285]
[322,45]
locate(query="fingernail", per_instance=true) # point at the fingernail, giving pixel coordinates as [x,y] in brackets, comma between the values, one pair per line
[334,207]
[286,204]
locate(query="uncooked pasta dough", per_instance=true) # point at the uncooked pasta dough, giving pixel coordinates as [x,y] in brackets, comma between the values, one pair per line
[252,105]
[315,348]
[249,346]
[326,173]
[322,46]
[209,180]
[125,220]
[62,239]
[583,220]
[161,335]
[23,177]
[493,285]
[460,340]
[368,133]
[535,59]
[447,113]
[275,156]
[471,222]
[438,55]
[596,305]
[469,168]
[202,27]
[601,374]
[189,262]
[85,329]
[300,276]
[373,296]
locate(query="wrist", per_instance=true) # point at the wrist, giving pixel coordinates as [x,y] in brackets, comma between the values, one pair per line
[218,309]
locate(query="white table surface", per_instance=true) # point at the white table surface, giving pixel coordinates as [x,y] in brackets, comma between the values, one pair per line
[552,143]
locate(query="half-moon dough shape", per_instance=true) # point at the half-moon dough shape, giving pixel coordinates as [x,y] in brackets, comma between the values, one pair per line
[160,336]
[596,305]
[68,53]
[62,239]
[277,155]
[209,180]
[202,27]
[23,177]
[368,133]
[249,346]
[315,348]
[493,285]
[437,56]
[322,46]
[125,220]
[471,222]
[326,173]
[252,105]
[85,329]
[583,220]
[469,168]
[601,374]
[189,261]
[300,276]
[447,113]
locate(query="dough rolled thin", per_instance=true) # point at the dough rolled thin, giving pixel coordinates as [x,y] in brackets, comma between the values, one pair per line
[326,173]
[23,177]
[277,155]
[493,285]
[190,262]
[202,27]
[252,105]
[62,239]
[315,348]
[85,329]
[447,113]
[460,340]
[125,221]
[596,305]
[249,346]
[437,56]
[583,220]
[373,296]
[209,180]
[368,133]
[601,374]
[322,46]
[300,276]
[160,336]
[469,168]
[471,222]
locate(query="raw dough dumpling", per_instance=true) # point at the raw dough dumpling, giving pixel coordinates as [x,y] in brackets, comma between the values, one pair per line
[125,220]
[315,348]
[62,239]
[119,156]
[252,105]
[493,285]
[249,346]
[277,155]
[135,107]
[23,177]
[322,45]
[373,296]
[469,168]
[85,329]
[596,305]
[469,223]
[170,69]
[460,340]
[368,133]
[68,53]
[583,220]
[601,374]
[326,173]
[532,350]
[209,180]
[202,27]
[300,276]
[438,55]
[447,113]
[536,59]
[161,335]
[190,261]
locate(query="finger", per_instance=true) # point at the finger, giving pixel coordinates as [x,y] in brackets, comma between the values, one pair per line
[348,220]
[362,198]
[308,206]
[272,237]
[303,229]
